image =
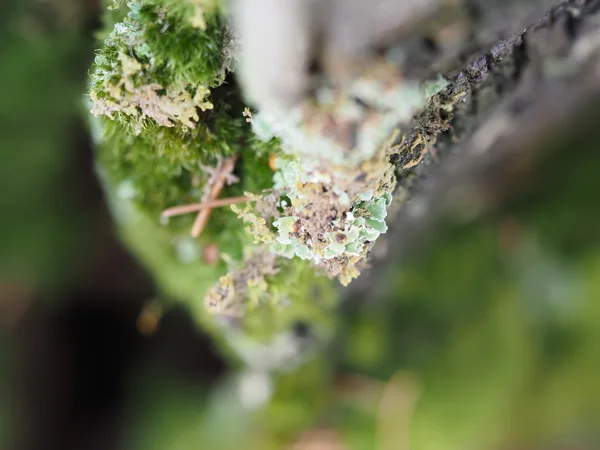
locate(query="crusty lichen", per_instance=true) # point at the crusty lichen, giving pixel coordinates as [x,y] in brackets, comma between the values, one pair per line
[244,283]
[328,221]
[335,183]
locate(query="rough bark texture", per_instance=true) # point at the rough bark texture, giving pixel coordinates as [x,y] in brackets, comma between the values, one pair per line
[523,67]
[461,31]
[505,102]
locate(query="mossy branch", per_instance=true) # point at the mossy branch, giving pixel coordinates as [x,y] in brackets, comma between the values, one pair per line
[321,177]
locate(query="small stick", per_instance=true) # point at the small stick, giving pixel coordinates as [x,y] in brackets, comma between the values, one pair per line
[195,207]
[204,214]
[216,189]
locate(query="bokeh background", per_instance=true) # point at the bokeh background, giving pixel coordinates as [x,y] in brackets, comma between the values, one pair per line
[493,343]
[71,353]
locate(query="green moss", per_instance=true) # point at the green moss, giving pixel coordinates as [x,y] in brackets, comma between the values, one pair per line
[157,68]
[161,163]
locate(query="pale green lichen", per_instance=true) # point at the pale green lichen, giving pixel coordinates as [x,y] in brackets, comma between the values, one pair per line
[347,123]
[335,183]
[324,221]
[347,227]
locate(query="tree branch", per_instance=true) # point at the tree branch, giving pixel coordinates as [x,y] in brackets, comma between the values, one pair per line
[507,107]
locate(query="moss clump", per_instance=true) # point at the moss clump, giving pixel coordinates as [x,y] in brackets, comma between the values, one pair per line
[159,37]
[167,112]
[155,83]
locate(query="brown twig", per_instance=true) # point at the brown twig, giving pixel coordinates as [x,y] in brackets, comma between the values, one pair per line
[195,207]
[219,177]
[224,172]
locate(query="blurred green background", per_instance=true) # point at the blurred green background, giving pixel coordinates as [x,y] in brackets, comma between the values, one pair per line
[487,338]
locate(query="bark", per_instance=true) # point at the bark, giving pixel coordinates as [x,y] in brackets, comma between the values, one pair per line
[511,102]
[462,30]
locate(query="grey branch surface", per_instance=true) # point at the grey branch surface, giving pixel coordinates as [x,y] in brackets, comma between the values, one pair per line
[478,137]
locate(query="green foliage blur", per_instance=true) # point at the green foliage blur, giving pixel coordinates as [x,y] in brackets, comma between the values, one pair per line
[43,52]
[43,55]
